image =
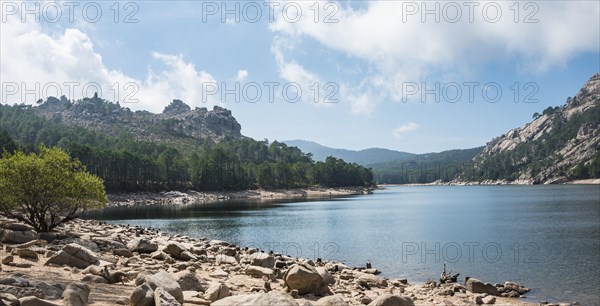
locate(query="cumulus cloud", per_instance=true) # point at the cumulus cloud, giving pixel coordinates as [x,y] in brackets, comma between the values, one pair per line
[241,75]
[39,64]
[401,130]
[403,47]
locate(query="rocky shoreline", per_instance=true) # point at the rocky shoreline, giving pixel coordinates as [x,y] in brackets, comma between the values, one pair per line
[191,197]
[500,182]
[91,262]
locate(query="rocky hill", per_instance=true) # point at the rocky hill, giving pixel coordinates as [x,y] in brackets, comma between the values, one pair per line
[178,121]
[561,144]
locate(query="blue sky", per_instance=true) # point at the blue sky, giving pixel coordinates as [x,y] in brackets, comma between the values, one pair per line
[374,58]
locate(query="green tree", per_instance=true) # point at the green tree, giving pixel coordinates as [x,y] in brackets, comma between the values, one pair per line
[47,188]
[6,143]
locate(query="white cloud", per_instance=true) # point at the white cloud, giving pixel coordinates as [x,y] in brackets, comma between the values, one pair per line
[241,75]
[32,57]
[407,127]
[312,87]
[413,50]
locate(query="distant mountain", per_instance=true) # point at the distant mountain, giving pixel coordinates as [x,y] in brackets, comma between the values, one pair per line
[425,168]
[362,157]
[395,167]
[561,144]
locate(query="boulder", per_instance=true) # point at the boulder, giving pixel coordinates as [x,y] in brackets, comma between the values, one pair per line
[332,300]
[489,300]
[224,259]
[164,298]
[50,291]
[7,259]
[122,253]
[160,255]
[9,299]
[476,286]
[216,292]
[272,298]
[15,280]
[27,254]
[262,259]
[178,251]
[141,245]
[142,296]
[370,280]
[34,301]
[327,278]
[229,251]
[391,300]
[188,280]
[167,282]
[76,294]
[257,271]
[8,235]
[97,279]
[305,279]
[74,255]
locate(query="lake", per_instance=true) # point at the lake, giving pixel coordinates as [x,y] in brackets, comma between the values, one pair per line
[546,237]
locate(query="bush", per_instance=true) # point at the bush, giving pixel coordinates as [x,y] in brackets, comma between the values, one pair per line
[47,189]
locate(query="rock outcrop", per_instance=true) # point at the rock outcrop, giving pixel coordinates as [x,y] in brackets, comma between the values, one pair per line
[176,123]
[550,148]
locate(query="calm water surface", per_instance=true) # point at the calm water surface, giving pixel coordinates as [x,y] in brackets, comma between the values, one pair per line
[547,237]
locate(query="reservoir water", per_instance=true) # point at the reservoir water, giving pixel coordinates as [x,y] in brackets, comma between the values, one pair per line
[546,237]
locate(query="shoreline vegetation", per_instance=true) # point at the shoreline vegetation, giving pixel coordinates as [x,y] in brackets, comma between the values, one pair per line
[109,264]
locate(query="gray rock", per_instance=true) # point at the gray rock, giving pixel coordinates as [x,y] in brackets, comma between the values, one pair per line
[34,301]
[224,259]
[229,251]
[489,300]
[9,299]
[257,271]
[15,226]
[262,259]
[97,279]
[216,292]
[76,294]
[476,286]
[17,236]
[27,253]
[142,245]
[167,282]
[122,253]
[50,291]
[142,295]
[7,259]
[22,291]
[305,279]
[370,280]
[160,255]
[272,298]
[327,278]
[163,298]
[188,280]
[74,255]
[332,300]
[15,280]
[391,300]
[178,251]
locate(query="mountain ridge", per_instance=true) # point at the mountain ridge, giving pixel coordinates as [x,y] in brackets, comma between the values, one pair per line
[559,145]
[361,157]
